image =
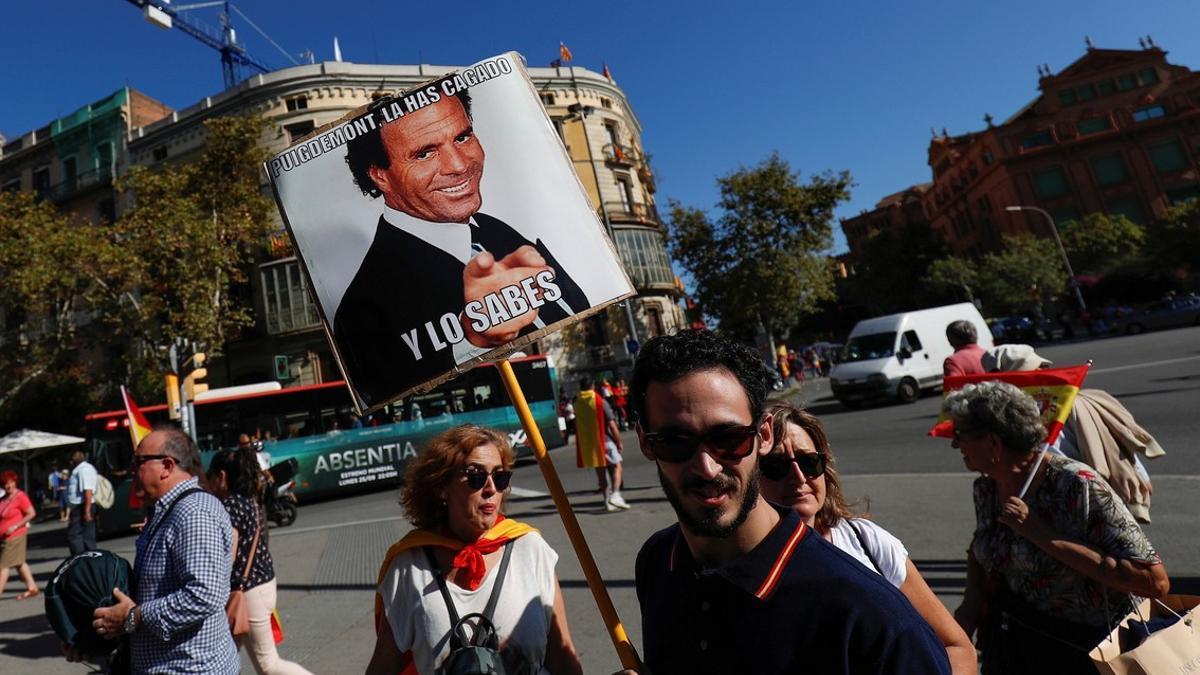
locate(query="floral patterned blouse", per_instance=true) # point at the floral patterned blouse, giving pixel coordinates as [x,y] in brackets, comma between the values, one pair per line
[1078,504]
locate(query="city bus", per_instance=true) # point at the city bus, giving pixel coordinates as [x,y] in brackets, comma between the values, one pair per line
[336,453]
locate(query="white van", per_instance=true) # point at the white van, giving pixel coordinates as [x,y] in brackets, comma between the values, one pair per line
[899,355]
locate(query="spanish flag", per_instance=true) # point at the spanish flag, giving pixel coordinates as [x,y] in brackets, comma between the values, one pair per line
[139,428]
[564,52]
[1053,388]
[590,430]
[607,73]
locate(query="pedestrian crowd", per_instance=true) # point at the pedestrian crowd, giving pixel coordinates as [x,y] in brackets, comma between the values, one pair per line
[768,568]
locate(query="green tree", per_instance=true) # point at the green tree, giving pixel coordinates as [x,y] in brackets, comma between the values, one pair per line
[761,262]
[188,240]
[953,279]
[891,267]
[1173,242]
[1008,278]
[1101,242]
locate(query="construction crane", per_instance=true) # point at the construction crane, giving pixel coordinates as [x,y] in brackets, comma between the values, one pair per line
[234,57]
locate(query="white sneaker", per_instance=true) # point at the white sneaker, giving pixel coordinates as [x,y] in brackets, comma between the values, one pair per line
[616,501]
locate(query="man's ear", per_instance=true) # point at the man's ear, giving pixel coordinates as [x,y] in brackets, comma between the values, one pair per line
[766,434]
[642,442]
[380,178]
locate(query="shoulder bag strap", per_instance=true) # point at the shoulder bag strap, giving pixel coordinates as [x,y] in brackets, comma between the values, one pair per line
[863,543]
[437,575]
[253,547]
[495,597]
[170,508]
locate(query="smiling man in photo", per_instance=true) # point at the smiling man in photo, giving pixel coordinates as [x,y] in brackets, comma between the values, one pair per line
[436,263]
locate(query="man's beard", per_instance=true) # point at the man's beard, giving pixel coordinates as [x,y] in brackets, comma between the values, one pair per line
[707,522]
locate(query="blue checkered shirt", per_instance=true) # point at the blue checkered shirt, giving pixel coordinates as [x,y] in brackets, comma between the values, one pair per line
[183,569]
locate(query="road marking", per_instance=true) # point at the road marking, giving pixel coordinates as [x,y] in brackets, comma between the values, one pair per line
[966,474]
[1148,364]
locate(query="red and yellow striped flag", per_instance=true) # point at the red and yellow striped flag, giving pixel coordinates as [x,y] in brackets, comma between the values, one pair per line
[139,426]
[1053,388]
[564,52]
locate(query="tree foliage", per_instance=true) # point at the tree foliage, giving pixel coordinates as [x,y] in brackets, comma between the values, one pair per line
[173,265]
[50,265]
[891,266]
[760,262]
[188,239]
[1173,242]
[1101,242]
[953,279]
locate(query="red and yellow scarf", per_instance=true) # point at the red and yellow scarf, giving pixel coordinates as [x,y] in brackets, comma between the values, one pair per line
[469,559]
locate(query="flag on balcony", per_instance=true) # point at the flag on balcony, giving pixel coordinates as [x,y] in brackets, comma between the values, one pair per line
[564,52]
[1054,389]
[607,73]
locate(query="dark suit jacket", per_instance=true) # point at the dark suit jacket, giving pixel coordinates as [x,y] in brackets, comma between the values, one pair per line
[405,283]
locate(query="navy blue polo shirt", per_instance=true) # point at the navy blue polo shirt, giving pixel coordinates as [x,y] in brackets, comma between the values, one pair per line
[794,604]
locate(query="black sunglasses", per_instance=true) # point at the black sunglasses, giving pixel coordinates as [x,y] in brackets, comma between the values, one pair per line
[476,479]
[726,443]
[777,466]
[139,460]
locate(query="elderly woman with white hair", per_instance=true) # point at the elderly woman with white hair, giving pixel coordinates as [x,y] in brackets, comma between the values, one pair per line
[1055,556]
[1100,432]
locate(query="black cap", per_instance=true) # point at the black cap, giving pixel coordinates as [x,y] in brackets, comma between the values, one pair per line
[81,585]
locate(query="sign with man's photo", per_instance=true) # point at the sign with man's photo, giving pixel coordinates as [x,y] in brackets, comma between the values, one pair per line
[443,226]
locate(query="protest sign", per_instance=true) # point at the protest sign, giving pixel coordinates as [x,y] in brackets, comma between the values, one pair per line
[441,227]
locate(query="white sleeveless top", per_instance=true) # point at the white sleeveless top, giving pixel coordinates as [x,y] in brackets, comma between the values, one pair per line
[421,623]
[886,550]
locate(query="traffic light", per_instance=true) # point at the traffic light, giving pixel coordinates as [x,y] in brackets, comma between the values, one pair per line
[174,409]
[191,382]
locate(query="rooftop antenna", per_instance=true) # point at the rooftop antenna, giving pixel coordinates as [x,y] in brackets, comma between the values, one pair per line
[1047,67]
[1142,42]
[1087,40]
[1150,41]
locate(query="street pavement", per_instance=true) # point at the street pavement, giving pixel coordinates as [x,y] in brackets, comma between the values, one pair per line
[327,562]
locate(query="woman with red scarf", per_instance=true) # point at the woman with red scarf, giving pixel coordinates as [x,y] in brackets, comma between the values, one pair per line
[453,492]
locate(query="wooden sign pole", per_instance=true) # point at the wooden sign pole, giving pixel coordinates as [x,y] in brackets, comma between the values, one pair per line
[616,631]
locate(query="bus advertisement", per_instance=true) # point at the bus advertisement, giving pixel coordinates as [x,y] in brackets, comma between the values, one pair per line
[312,424]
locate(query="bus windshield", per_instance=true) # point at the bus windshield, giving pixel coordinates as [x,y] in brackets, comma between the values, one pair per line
[867,347]
[337,452]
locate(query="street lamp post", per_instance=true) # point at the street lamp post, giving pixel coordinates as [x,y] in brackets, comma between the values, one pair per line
[1061,250]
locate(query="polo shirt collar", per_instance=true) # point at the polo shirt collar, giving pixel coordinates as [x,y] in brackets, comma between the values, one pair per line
[758,571]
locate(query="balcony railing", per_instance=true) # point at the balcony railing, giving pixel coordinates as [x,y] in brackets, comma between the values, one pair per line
[73,186]
[621,154]
[638,213]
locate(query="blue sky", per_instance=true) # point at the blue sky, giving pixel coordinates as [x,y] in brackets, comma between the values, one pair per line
[834,85]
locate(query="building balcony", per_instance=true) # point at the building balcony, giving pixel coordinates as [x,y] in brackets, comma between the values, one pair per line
[646,214]
[80,183]
[625,155]
[288,307]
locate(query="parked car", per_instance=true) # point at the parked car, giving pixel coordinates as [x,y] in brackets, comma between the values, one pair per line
[1166,313]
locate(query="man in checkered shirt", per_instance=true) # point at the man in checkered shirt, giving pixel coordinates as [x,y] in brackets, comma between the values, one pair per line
[177,621]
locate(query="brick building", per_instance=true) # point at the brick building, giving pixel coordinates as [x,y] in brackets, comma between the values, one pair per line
[1117,131]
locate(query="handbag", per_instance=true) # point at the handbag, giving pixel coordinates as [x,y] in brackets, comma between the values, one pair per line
[479,655]
[1174,649]
[235,607]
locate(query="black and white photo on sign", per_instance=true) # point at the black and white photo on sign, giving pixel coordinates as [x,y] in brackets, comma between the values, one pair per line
[444,224]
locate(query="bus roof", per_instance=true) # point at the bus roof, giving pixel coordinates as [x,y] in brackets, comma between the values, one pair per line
[258,390]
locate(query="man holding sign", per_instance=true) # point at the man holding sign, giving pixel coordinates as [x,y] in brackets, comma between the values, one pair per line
[478,283]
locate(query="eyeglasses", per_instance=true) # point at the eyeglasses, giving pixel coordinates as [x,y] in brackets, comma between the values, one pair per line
[777,466]
[724,444]
[959,434]
[476,479]
[139,460]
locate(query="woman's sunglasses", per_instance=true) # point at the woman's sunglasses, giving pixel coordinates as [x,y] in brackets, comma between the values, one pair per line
[726,443]
[777,466]
[476,479]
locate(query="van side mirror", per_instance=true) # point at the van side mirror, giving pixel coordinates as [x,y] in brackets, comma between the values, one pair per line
[904,353]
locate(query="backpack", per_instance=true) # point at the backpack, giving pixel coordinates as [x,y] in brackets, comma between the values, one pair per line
[104,494]
[479,655]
